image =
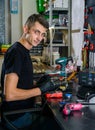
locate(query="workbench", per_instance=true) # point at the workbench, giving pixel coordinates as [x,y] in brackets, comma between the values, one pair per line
[78,120]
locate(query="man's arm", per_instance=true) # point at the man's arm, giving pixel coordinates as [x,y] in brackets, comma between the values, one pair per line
[13,93]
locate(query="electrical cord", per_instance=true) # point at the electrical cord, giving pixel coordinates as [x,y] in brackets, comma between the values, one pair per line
[9,123]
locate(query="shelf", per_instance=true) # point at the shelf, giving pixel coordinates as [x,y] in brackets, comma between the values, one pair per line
[53,44]
[59,9]
[60,29]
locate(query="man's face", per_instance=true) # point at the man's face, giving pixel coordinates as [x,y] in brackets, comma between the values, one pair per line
[36,34]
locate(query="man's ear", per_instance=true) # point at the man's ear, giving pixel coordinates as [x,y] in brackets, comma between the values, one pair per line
[25,29]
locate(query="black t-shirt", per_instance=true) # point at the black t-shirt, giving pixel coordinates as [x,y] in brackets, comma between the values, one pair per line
[17,60]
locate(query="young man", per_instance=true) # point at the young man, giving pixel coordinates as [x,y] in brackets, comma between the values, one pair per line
[17,69]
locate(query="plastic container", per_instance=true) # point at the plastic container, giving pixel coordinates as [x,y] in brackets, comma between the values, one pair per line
[55,55]
[40,6]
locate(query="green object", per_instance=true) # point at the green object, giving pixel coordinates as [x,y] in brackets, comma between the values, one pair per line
[5,45]
[40,6]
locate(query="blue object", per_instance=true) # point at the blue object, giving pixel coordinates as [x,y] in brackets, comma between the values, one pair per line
[68,95]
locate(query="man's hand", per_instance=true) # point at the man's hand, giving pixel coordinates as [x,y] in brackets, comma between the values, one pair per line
[49,85]
[43,79]
[46,84]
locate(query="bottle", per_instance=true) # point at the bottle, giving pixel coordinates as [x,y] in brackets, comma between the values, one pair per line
[40,6]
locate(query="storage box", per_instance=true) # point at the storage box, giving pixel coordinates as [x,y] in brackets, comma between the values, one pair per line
[61,3]
[87,78]
[58,3]
[90,3]
[65,4]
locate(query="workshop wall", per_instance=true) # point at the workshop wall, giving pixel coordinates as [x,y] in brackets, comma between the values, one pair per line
[28,7]
[77,29]
[2,22]
[7,22]
[25,8]
[16,23]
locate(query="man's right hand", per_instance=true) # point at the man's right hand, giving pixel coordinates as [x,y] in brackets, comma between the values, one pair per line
[43,79]
[47,84]
[44,83]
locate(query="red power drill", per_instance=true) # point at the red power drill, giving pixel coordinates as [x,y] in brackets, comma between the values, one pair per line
[71,107]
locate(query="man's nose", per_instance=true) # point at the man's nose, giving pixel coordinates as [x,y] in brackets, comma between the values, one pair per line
[40,37]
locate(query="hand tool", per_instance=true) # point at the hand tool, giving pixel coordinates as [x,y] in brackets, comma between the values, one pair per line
[63,62]
[69,107]
[57,94]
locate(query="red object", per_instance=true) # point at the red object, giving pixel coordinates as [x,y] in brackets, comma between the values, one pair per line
[86,17]
[56,94]
[58,67]
[91,46]
[71,107]
[90,10]
[88,32]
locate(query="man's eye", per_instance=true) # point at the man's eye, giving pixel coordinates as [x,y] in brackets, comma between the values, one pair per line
[43,35]
[37,32]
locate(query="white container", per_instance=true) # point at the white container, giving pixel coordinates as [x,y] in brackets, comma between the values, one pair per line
[61,3]
[58,3]
[55,55]
[65,3]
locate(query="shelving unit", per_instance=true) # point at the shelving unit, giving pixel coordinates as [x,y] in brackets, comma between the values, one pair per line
[88,50]
[59,29]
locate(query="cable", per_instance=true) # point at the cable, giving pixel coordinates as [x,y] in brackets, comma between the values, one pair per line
[9,123]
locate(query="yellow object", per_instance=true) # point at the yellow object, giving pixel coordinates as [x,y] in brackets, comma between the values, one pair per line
[63,88]
[4,47]
[71,76]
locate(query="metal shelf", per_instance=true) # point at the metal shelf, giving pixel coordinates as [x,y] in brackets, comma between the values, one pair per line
[61,27]
[64,11]
[58,45]
[60,9]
